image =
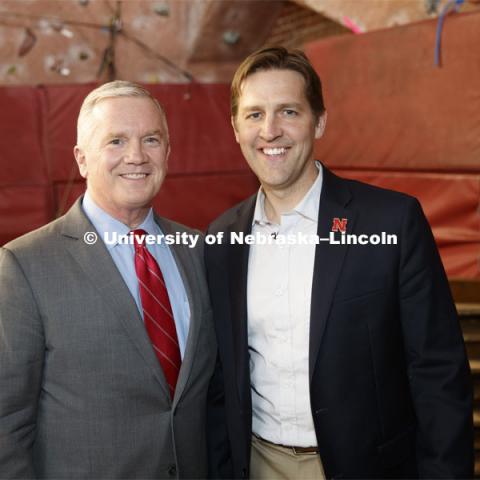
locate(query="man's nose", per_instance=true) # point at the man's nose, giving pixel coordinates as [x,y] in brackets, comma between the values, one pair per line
[271,128]
[135,153]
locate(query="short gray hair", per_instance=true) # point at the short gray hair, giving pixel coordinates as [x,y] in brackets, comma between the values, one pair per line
[117,88]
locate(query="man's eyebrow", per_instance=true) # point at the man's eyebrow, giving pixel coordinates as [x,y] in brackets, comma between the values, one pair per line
[111,135]
[249,108]
[154,132]
[290,105]
[125,134]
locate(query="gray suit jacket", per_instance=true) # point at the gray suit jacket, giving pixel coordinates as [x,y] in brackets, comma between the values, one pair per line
[82,394]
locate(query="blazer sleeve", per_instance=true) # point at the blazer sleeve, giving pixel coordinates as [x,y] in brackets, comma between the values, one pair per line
[438,369]
[21,362]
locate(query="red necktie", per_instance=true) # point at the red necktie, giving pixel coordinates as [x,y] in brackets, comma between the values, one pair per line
[157,311]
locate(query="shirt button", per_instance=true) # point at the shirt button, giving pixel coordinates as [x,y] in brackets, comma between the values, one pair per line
[172,470]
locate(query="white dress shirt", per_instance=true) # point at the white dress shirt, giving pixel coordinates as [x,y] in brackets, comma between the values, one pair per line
[279,297]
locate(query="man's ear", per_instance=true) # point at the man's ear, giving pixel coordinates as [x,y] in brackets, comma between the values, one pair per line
[320,126]
[232,121]
[168,151]
[81,160]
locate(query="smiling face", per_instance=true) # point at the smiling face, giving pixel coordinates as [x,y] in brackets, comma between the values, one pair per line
[276,130]
[124,159]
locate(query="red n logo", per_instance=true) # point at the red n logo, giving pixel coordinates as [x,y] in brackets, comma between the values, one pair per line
[339,225]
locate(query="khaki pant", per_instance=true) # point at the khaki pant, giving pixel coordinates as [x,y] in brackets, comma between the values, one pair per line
[273,462]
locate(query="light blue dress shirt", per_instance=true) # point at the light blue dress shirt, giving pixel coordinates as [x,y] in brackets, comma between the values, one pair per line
[123,256]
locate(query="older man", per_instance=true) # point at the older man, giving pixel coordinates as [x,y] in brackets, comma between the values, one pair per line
[107,346]
[335,360]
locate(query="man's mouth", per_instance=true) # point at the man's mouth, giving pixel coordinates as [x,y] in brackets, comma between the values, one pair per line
[134,176]
[274,151]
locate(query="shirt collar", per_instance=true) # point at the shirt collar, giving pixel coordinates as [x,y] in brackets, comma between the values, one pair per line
[308,207]
[103,222]
[259,216]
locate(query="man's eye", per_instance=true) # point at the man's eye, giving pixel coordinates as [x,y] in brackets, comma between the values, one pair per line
[152,140]
[115,141]
[289,112]
[254,115]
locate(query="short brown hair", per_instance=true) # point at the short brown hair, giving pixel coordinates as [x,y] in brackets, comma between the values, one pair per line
[279,58]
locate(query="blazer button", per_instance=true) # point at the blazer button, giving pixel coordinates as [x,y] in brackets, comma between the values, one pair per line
[172,470]
[244,473]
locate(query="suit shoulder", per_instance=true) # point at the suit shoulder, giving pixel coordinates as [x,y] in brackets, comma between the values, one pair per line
[368,190]
[36,239]
[379,198]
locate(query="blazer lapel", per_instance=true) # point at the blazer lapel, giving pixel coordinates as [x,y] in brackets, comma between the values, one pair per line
[238,275]
[96,262]
[181,257]
[334,201]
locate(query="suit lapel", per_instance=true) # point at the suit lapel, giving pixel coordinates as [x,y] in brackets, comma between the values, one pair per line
[334,202]
[181,257]
[329,258]
[96,262]
[238,275]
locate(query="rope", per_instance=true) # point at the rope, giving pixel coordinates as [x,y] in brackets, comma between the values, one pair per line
[450,6]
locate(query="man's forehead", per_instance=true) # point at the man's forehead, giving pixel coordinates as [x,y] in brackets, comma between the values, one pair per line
[280,86]
[129,106]
[269,74]
[109,122]
[125,102]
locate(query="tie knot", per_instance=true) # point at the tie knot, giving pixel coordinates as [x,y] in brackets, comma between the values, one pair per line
[139,237]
